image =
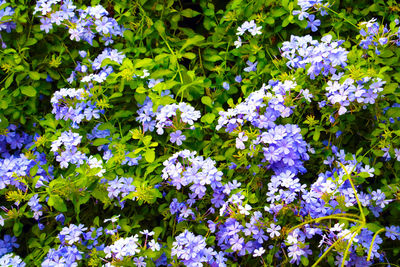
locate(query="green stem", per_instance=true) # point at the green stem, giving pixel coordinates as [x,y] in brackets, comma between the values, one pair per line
[325,218]
[329,249]
[347,20]
[350,243]
[355,193]
[372,243]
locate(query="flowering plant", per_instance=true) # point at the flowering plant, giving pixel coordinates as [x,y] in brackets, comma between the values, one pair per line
[203,133]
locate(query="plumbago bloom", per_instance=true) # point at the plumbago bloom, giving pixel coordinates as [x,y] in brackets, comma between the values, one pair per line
[176,116]
[90,72]
[184,169]
[81,24]
[123,247]
[308,7]
[73,104]
[192,250]
[322,57]
[120,188]
[374,36]
[65,148]
[331,194]
[247,26]
[11,260]
[146,115]
[283,146]
[350,93]
[78,240]
[15,164]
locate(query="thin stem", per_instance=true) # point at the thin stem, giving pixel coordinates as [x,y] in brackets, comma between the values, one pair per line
[372,243]
[325,218]
[347,20]
[350,243]
[329,249]
[355,193]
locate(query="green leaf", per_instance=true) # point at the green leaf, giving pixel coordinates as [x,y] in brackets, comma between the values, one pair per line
[28,90]
[17,228]
[206,100]
[285,3]
[143,63]
[100,141]
[386,53]
[304,260]
[9,80]
[150,155]
[390,88]
[270,20]
[373,227]
[393,112]
[33,170]
[208,118]
[316,135]
[123,114]
[34,75]
[128,35]
[159,25]
[57,202]
[31,41]
[191,41]
[189,13]
[189,55]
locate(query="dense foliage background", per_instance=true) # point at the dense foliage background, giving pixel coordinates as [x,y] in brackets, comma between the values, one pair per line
[199,133]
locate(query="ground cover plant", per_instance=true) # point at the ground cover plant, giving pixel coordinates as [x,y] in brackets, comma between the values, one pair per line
[199,133]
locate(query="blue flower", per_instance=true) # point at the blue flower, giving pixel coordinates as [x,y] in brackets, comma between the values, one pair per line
[313,23]
[251,66]
[225,85]
[177,137]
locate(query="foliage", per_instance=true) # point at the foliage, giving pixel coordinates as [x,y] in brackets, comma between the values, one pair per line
[191,133]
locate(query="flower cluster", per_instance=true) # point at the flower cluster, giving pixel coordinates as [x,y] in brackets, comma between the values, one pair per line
[283,146]
[196,172]
[307,7]
[192,250]
[81,24]
[100,71]
[249,26]
[71,104]
[9,260]
[15,164]
[146,115]
[350,91]
[331,194]
[374,36]
[123,247]
[176,116]
[7,244]
[120,188]
[63,256]
[70,154]
[322,57]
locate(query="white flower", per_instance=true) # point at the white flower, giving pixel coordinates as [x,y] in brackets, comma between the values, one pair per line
[154,246]
[238,42]
[259,252]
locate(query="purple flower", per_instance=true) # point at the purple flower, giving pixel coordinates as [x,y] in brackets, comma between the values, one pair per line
[313,23]
[226,86]
[177,137]
[251,66]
